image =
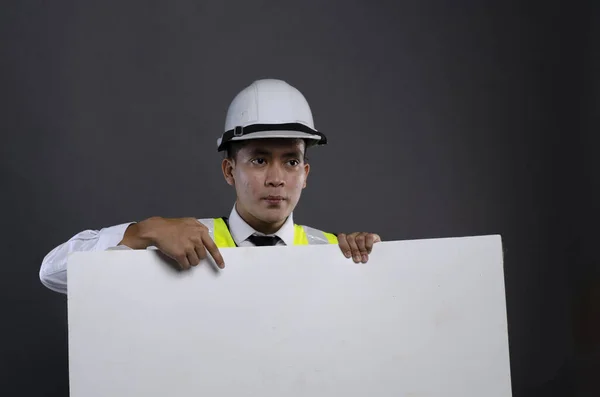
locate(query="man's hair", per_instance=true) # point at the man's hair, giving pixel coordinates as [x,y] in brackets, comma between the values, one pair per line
[233,147]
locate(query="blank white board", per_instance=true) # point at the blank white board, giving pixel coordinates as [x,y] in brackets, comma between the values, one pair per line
[421,318]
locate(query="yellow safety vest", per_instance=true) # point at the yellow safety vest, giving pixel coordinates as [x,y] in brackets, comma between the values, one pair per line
[303,235]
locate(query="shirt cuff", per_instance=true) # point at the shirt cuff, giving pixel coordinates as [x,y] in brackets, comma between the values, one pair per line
[110,237]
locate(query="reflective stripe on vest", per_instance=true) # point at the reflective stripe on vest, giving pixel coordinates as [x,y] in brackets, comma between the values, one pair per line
[303,235]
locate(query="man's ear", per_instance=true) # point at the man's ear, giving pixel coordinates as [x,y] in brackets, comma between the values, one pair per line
[306,171]
[227,166]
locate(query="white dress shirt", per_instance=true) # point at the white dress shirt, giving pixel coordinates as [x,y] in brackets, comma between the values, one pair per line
[53,272]
[240,230]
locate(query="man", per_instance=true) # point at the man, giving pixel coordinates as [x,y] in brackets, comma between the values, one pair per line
[268,129]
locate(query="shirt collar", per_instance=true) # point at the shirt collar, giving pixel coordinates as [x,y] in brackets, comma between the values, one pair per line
[240,230]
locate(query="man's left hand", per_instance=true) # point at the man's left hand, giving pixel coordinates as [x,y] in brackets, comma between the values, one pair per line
[358,245]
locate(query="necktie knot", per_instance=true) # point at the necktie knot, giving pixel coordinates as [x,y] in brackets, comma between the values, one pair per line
[260,241]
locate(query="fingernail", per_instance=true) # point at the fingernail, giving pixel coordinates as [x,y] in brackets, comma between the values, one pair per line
[357,259]
[347,254]
[365,258]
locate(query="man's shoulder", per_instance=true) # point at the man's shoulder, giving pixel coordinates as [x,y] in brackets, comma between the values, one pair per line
[316,236]
[311,228]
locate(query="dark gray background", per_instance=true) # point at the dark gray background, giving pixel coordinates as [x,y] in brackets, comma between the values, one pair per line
[445,118]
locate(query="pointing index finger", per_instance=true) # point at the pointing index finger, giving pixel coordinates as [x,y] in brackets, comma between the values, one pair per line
[211,247]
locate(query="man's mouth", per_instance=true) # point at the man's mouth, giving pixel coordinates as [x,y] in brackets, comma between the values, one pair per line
[274,199]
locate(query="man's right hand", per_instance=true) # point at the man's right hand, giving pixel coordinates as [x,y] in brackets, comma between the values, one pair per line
[185,240]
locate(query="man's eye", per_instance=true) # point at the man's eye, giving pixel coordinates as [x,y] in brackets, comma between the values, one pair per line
[294,163]
[258,161]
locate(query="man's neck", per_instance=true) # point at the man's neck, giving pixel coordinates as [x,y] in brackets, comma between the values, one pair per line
[257,224]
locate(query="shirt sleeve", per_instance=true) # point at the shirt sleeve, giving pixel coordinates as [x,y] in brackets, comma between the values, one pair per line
[53,272]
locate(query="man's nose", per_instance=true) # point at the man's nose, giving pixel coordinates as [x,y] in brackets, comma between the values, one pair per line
[275,176]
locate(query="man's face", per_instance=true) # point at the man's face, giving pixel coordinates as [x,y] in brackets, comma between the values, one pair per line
[268,176]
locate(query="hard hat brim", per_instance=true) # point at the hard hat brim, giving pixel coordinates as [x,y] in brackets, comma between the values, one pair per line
[316,138]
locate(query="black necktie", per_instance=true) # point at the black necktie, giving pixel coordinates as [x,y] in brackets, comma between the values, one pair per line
[260,241]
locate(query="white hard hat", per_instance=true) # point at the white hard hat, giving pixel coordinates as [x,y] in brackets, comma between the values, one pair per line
[269,108]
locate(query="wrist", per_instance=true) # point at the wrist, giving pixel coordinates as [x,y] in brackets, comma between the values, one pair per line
[140,235]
